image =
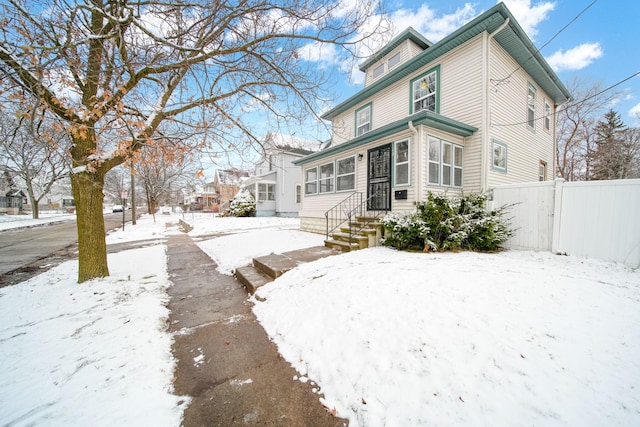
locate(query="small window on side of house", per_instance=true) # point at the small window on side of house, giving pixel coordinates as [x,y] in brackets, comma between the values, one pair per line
[499,157]
[542,171]
[298,193]
[547,115]
[531,107]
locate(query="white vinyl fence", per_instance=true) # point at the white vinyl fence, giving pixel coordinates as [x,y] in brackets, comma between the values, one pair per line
[596,219]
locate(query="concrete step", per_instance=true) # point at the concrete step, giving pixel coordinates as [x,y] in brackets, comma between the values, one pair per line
[269,267]
[251,278]
[340,245]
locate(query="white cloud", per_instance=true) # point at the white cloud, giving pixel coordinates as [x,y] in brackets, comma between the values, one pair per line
[635,112]
[425,21]
[528,15]
[576,58]
[318,52]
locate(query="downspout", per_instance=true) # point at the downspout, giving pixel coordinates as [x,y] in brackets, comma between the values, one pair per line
[416,138]
[486,114]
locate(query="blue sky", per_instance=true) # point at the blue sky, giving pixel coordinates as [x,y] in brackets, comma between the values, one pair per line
[602,45]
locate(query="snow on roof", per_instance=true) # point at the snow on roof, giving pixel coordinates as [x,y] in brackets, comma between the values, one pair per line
[231,176]
[290,143]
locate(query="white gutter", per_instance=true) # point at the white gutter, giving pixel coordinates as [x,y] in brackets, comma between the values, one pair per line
[486,113]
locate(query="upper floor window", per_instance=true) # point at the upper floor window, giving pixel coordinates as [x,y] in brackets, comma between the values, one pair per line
[424,92]
[378,71]
[401,162]
[547,115]
[531,106]
[363,120]
[444,163]
[394,60]
[346,176]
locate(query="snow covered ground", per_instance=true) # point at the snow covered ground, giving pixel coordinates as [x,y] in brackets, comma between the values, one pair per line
[395,339]
[8,222]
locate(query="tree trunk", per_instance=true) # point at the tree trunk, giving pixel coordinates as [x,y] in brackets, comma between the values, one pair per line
[92,246]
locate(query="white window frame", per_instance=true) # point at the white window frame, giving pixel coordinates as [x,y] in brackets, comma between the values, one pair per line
[394,60]
[499,151]
[363,127]
[378,71]
[326,183]
[532,94]
[298,193]
[267,193]
[547,115]
[542,171]
[457,151]
[424,87]
[344,175]
[312,182]
[404,162]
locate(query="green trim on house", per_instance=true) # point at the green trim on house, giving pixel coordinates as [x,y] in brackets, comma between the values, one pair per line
[426,118]
[411,100]
[512,38]
[408,34]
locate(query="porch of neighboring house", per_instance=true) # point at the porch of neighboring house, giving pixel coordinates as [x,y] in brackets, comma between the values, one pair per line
[12,202]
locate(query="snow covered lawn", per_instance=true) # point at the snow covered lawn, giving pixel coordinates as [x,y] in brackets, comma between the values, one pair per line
[509,339]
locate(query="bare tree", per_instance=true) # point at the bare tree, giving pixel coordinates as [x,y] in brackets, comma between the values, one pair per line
[124,73]
[575,128]
[31,147]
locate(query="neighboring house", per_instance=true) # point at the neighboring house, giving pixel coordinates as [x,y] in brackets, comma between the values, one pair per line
[475,110]
[12,198]
[217,195]
[276,185]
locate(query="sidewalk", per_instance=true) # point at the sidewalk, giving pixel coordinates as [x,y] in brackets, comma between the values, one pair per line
[226,363]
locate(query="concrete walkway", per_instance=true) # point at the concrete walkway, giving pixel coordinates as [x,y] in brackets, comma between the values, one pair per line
[226,362]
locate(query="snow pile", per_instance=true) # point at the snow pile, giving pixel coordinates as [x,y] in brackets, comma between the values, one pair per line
[92,354]
[516,338]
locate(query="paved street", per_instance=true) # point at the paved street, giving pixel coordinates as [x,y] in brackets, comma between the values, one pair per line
[22,247]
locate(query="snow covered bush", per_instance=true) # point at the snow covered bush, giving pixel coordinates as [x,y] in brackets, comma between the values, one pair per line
[444,223]
[243,204]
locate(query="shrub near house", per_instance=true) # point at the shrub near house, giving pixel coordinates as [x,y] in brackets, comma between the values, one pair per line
[442,223]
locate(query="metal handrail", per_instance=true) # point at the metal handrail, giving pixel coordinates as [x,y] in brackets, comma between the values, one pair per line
[354,205]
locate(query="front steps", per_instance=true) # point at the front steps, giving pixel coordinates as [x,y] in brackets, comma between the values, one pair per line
[367,233]
[267,268]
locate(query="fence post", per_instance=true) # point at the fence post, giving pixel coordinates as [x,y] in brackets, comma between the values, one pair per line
[557,215]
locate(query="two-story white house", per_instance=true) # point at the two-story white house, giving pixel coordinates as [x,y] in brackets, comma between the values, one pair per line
[470,112]
[276,184]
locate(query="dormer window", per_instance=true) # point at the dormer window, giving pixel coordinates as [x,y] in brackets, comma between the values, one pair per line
[394,60]
[363,120]
[378,71]
[424,92]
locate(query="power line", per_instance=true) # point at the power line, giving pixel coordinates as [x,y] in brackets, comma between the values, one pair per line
[571,104]
[498,82]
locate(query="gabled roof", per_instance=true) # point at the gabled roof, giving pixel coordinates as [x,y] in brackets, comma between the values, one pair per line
[290,144]
[512,38]
[230,176]
[408,34]
[428,118]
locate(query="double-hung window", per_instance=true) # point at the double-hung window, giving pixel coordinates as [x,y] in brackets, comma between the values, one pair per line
[402,162]
[444,163]
[326,177]
[547,115]
[266,192]
[346,176]
[424,92]
[363,120]
[531,107]
[311,181]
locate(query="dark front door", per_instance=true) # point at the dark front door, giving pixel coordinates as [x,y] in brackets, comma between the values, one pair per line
[379,178]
